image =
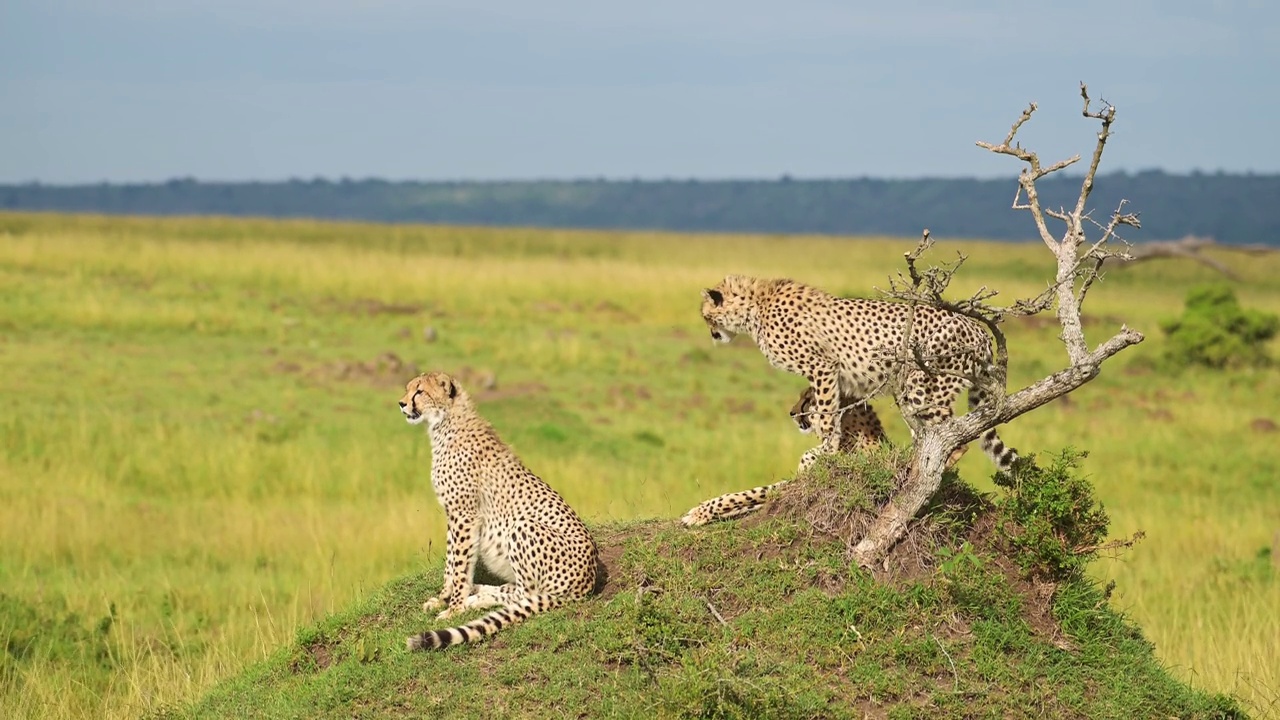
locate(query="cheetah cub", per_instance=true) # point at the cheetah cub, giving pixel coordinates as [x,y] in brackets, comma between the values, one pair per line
[498,512]
[860,430]
[847,348]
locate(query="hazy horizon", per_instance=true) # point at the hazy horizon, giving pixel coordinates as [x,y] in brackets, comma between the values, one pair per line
[1062,175]
[240,91]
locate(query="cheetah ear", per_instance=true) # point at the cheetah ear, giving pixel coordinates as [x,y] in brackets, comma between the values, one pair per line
[715,296]
[453,389]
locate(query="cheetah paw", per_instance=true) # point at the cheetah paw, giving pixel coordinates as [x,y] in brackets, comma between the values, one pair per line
[449,612]
[432,605]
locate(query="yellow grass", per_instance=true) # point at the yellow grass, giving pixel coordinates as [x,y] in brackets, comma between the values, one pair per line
[180,440]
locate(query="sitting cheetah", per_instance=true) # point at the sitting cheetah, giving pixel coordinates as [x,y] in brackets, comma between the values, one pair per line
[847,349]
[498,512]
[860,430]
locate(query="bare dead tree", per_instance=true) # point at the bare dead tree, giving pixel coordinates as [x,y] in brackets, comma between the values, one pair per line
[1079,261]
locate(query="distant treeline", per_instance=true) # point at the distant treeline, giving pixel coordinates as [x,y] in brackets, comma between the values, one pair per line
[1231,208]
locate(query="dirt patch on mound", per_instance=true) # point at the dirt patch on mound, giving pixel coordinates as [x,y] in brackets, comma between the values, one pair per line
[610,545]
[316,655]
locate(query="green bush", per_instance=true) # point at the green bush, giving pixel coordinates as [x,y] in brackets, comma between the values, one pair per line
[1214,331]
[1050,518]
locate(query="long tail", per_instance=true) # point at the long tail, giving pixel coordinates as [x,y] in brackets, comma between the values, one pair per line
[1002,455]
[482,628]
[730,506]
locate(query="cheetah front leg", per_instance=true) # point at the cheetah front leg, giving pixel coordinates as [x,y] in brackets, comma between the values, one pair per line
[826,415]
[459,565]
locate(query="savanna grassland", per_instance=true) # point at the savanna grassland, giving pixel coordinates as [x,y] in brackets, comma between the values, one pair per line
[200,450]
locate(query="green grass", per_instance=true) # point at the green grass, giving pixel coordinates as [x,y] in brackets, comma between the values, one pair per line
[196,431]
[760,619]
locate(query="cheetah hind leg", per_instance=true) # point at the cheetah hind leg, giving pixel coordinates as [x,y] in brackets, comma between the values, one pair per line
[487,596]
[440,607]
[728,507]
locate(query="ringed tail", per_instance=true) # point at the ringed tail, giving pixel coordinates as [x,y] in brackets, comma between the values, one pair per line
[483,627]
[1002,455]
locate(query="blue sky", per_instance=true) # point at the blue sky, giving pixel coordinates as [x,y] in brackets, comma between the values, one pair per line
[123,90]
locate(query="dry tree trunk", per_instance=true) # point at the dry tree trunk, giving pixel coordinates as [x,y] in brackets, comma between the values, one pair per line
[1078,263]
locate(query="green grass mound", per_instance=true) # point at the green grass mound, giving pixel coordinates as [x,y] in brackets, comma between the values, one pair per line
[971,616]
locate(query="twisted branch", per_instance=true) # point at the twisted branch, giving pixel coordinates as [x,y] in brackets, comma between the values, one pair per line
[1078,267]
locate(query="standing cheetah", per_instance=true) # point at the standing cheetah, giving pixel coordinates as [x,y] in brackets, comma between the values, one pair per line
[847,349]
[498,512]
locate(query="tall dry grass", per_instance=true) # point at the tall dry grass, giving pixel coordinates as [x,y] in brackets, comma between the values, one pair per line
[200,452]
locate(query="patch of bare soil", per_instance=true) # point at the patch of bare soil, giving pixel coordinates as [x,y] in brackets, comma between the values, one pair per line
[614,312]
[626,397]
[1262,425]
[475,380]
[388,369]
[609,545]
[370,307]
[319,652]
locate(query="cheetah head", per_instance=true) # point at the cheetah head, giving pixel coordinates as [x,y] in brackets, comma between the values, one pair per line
[800,411]
[727,309]
[429,397]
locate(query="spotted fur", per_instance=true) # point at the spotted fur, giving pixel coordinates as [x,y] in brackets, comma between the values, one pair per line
[497,512]
[860,427]
[847,349]
[862,430]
